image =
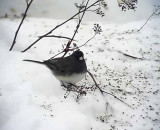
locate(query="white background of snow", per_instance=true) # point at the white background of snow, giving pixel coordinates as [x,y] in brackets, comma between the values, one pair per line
[60,9]
[32,99]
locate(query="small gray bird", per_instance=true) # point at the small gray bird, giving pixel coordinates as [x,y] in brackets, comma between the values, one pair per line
[70,69]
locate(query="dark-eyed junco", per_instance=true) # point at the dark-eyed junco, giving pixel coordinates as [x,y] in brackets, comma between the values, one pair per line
[70,69]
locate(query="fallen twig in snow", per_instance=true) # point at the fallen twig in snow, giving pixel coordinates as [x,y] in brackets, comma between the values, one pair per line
[134,57]
[102,91]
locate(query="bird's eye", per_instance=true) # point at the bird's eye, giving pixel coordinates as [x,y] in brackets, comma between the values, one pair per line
[81,58]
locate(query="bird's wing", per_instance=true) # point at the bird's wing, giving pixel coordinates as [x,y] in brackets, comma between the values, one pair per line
[61,66]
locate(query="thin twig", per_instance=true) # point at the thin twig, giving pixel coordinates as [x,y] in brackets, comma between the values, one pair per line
[86,41]
[95,81]
[59,26]
[78,25]
[64,50]
[58,37]
[148,19]
[56,55]
[24,16]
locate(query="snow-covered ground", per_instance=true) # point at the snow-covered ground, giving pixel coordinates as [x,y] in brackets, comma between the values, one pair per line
[32,99]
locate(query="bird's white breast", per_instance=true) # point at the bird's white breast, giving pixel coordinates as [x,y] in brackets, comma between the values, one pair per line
[71,79]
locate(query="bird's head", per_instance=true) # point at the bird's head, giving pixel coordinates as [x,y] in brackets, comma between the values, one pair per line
[79,55]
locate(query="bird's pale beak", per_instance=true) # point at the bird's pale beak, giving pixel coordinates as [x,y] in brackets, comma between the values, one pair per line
[81,58]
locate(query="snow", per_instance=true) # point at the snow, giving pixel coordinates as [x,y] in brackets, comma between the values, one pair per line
[31,98]
[63,10]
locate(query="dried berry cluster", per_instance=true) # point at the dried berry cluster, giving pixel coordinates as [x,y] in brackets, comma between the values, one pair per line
[127,4]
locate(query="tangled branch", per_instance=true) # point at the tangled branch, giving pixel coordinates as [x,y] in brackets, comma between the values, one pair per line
[79,12]
[97,30]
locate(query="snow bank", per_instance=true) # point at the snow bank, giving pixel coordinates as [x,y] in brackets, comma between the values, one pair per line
[31,98]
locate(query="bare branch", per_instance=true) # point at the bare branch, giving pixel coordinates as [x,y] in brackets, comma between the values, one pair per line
[56,55]
[24,16]
[57,37]
[78,25]
[86,41]
[148,19]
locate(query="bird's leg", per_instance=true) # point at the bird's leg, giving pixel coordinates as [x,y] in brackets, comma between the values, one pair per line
[66,87]
[63,84]
[73,88]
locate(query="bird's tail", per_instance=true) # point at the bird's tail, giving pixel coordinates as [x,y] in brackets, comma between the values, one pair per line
[39,62]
